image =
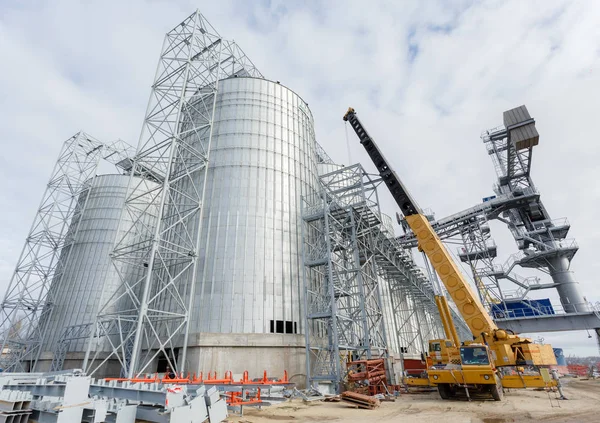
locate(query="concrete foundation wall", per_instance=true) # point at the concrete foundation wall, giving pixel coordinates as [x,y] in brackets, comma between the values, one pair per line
[220,352]
[74,360]
[256,353]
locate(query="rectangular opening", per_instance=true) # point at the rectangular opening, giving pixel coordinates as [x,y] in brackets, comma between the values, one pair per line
[162,364]
[283,326]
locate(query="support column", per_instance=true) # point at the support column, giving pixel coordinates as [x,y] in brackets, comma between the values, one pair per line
[571,297]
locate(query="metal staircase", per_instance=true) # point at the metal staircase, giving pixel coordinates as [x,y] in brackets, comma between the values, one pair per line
[351,259]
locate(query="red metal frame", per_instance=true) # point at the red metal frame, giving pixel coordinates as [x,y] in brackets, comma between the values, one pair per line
[237,398]
[211,379]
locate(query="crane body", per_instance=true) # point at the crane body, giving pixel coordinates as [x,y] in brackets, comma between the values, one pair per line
[492,349]
[440,351]
[443,351]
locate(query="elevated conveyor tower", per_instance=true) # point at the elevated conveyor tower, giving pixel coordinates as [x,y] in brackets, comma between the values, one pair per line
[542,241]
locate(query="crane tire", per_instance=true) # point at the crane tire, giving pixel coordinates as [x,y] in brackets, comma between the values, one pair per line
[496,390]
[444,390]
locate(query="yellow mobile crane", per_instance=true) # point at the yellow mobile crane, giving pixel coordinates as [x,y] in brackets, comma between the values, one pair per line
[441,351]
[486,361]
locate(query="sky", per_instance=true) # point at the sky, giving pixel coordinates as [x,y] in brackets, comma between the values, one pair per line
[426,78]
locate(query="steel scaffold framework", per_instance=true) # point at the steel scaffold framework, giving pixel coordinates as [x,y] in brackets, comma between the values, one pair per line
[413,314]
[343,303]
[69,334]
[348,251]
[28,303]
[173,151]
[542,241]
[479,251]
[518,205]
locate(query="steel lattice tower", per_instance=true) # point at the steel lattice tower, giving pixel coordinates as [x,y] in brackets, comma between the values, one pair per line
[28,302]
[542,241]
[173,151]
[343,303]
[356,275]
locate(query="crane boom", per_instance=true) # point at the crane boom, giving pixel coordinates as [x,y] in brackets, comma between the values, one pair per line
[447,321]
[492,348]
[470,307]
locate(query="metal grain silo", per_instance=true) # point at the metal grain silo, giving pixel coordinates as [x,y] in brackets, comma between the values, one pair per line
[249,291]
[86,267]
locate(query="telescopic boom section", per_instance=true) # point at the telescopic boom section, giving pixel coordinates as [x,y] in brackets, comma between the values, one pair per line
[447,321]
[407,205]
[469,305]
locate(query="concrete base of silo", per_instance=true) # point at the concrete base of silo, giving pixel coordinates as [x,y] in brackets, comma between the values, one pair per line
[220,352]
[74,360]
[237,352]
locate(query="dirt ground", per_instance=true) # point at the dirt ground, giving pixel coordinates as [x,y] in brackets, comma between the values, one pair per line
[583,405]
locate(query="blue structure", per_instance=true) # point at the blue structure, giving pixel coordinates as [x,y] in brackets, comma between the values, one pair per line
[522,308]
[560,357]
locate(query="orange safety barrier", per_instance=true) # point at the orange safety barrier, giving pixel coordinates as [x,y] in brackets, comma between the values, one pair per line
[177,379]
[245,380]
[227,380]
[211,379]
[146,379]
[578,369]
[266,381]
[197,380]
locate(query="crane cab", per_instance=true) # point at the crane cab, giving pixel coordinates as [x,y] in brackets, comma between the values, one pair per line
[442,352]
[475,374]
[475,355]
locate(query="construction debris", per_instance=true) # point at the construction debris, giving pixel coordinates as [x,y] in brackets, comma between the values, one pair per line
[372,371]
[71,396]
[369,377]
[384,398]
[360,400]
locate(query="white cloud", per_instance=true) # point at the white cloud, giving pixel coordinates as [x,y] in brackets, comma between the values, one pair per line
[69,65]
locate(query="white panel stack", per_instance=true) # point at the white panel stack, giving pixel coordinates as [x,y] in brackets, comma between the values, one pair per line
[15,406]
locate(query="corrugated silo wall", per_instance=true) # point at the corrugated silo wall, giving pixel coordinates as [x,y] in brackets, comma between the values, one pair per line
[248,299]
[88,269]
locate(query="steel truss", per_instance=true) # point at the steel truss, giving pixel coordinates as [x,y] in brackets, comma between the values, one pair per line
[479,251]
[322,156]
[351,260]
[28,303]
[412,316]
[343,304]
[513,168]
[173,151]
[70,333]
[412,322]
[542,241]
